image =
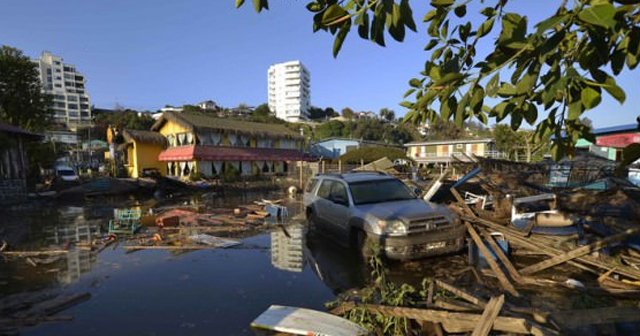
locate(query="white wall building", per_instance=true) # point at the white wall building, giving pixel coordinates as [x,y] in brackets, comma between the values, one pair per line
[71,104]
[289,94]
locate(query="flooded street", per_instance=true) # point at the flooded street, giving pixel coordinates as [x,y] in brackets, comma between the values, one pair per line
[156,292]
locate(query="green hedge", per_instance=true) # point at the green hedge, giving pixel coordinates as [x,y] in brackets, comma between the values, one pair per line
[370,154]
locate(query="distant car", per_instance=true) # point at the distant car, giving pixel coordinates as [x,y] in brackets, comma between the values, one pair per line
[67,174]
[366,206]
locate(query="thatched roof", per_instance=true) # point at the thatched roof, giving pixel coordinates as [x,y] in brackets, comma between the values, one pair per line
[144,137]
[199,121]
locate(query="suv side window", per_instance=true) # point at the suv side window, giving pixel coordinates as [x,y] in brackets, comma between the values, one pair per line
[338,191]
[325,189]
[311,185]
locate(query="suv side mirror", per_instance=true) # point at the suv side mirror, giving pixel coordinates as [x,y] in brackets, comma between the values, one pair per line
[339,199]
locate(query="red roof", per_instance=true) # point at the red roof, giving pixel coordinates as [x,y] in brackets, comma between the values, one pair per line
[618,140]
[219,153]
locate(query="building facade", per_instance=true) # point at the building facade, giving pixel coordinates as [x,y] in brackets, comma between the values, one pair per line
[71,103]
[289,91]
[141,150]
[14,163]
[445,151]
[213,147]
[333,148]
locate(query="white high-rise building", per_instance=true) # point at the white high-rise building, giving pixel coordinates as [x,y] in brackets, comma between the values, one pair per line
[71,105]
[289,94]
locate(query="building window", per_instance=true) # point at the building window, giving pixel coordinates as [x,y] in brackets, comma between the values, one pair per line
[58,85]
[459,146]
[73,106]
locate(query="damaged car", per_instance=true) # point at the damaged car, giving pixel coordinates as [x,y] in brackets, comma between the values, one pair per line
[370,207]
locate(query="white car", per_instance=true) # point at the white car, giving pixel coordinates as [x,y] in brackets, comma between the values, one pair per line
[67,174]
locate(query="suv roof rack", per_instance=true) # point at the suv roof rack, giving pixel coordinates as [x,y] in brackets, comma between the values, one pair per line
[340,175]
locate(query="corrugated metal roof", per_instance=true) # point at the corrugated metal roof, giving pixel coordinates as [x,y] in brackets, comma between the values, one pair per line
[448,142]
[8,128]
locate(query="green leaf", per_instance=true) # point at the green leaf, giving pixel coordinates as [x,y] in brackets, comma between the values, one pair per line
[332,14]
[431,44]
[493,85]
[460,11]
[614,90]
[530,113]
[258,5]
[313,7]
[575,110]
[486,27]
[448,78]
[441,3]
[239,3]
[514,28]
[482,117]
[409,92]
[342,34]
[416,83]
[407,15]
[506,90]
[601,15]
[516,121]
[551,22]
[406,104]
[363,26]
[590,97]
[430,15]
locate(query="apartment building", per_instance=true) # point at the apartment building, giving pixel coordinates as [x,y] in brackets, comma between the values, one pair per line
[289,93]
[71,104]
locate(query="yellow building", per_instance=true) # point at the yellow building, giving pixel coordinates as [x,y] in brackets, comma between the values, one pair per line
[141,150]
[211,146]
[445,151]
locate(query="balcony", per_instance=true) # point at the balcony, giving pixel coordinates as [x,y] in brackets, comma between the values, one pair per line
[457,156]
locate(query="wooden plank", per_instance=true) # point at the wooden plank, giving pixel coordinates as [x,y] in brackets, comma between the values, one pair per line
[513,272]
[534,244]
[170,247]
[464,205]
[457,322]
[32,253]
[502,278]
[461,293]
[491,312]
[559,259]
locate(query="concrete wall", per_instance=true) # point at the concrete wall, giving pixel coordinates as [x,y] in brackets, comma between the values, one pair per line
[145,156]
[12,191]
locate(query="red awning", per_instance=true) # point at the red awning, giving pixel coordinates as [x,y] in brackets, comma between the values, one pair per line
[218,153]
[618,140]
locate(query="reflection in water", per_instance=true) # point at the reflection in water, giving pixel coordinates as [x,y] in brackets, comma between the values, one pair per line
[74,228]
[339,268]
[287,248]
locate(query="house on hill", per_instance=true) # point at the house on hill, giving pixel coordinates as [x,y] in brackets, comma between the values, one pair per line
[445,151]
[210,146]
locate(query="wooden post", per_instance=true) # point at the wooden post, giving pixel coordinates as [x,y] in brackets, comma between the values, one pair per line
[339,166]
[301,175]
[323,167]
[361,163]
[502,278]
[489,316]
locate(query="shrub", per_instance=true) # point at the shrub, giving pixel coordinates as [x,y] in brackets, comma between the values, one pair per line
[370,154]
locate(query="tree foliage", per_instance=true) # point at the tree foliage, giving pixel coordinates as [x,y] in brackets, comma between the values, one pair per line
[369,154]
[22,102]
[347,113]
[121,119]
[563,66]
[387,114]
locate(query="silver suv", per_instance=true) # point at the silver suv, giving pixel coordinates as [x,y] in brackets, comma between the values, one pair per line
[371,206]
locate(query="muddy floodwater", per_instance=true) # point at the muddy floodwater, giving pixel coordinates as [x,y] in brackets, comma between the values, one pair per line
[156,292]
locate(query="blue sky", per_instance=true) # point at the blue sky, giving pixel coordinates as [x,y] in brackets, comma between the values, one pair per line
[144,54]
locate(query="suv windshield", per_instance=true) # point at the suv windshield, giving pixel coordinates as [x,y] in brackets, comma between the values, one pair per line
[379,191]
[66,173]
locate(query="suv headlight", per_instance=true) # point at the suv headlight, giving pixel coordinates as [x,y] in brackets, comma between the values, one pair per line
[392,227]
